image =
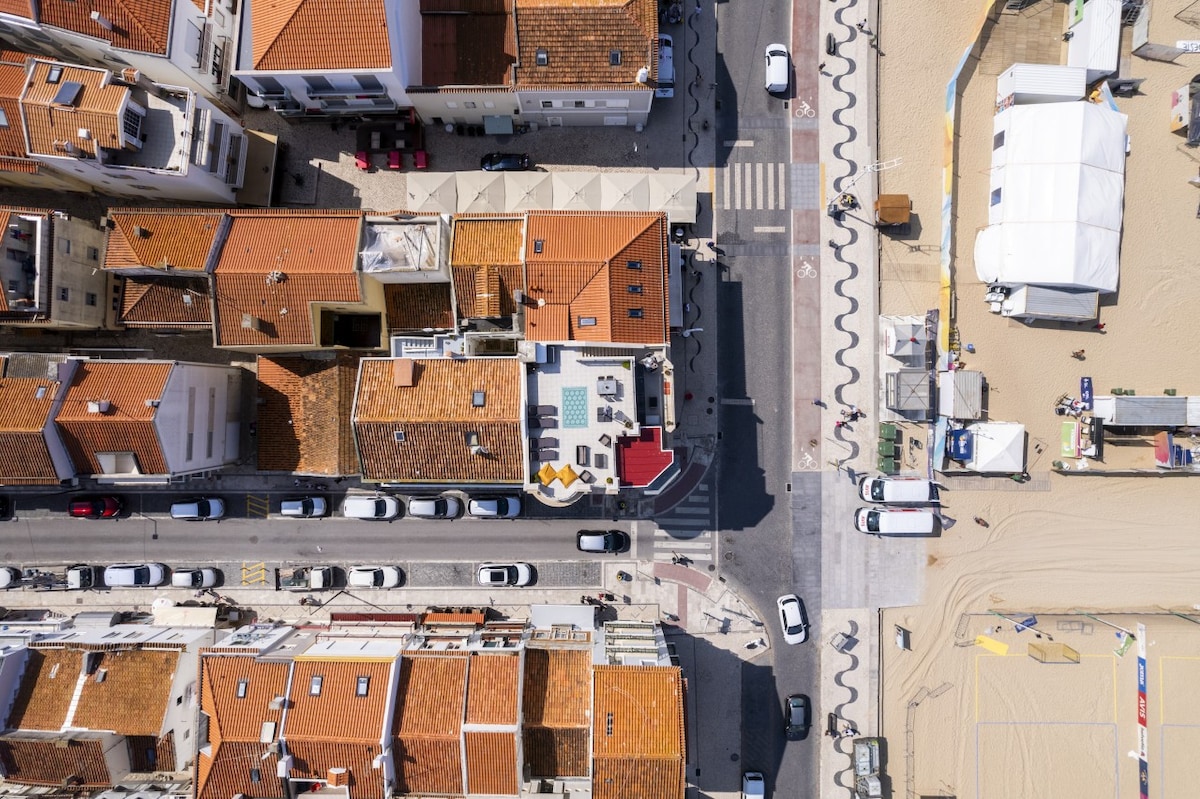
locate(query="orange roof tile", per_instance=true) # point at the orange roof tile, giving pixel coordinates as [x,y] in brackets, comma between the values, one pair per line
[602,276]
[96,108]
[492,763]
[226,771]
[661,778]
[42,761]
[136,24]
[166,302]
[233,718]
[12,83]
[46,689]
[298,399]
[467,42]
[494,240]
[24,453]
[22,165]
[492,690]
[161,239]
[18,8]
[429,696]
[436,414]
[315,758]
[416,306]
[428,765]
[133,697]
[317,254]
[643,706]
[578,36]
[557,751]
[128,425]
[338,712]
[319,35]
[557,687]
[486,263]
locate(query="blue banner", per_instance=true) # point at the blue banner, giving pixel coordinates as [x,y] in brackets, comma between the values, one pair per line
[1085,392]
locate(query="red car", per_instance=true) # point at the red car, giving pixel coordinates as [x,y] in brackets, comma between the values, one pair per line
[96,507]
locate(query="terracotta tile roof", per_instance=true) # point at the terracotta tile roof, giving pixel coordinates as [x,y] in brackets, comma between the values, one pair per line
[416,306]
[181,240]
[646,706]
[492,763]
[24,453]
[300,397]
[470,618]
[655,778]
[486,263]
[435,413]
[493,240]
[134,696]
[584,273]
[319,35]
[22,165]
[128,426]
[46,689]
[12,83]
[467,42]
[429,696]
[557,751]
[96,109]
[578,35]
[18,8]
[226,772]
[231,718]
[177,302]
[42,761]
[146,752]
[317,253]
[492,690]
[315,758]
[338,713]
[428,765]
[136,24]
[557,687]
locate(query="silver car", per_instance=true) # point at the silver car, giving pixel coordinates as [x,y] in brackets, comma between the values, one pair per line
[433,507]
[374,577]
[135,575]
[494,507]
[792,618]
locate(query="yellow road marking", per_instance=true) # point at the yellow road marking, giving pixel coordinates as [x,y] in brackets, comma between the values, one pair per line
[253,573]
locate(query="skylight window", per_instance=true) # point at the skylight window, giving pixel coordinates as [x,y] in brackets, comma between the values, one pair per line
[614,58]
[537,245]
[242,687]
[636,313]
[478,399]
[361,686]
[587,321]
[543,58]
[55,75]
[633,264]
[635,288]
[314,685]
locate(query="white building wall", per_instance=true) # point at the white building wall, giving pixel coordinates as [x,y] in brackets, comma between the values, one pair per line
[620,107]
[184,701]
[468,106]
[12,666]
[193,417]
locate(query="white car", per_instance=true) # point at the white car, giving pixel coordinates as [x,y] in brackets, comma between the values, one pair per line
[304,507]
[753,785]
[10,577]
[778,67]
[135,575]
[494,508]
[195,578]
[199,510]
[898,490]
[501,574]
[793,619]
[433,507]
[382,507]
[374,577]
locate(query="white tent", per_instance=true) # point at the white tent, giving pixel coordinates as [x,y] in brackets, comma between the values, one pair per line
[999,448]
[480,192]
[432,191]
[624,191]
[576,191]
[1057,186]
[905,339]
[528,191]
[675,193]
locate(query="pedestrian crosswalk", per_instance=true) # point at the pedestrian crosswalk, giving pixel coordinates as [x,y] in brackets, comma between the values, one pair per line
[686,530]
[752,186]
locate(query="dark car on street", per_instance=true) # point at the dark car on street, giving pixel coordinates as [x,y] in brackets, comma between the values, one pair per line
[95,507]
[504,162]
[602,541]
[799,717]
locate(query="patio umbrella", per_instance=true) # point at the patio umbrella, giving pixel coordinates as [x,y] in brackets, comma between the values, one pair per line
[546,474]
[528,191]
[674,193]
[576,191]
[624,191]
[567,475]
[905,340]
[432,191]
[480,192]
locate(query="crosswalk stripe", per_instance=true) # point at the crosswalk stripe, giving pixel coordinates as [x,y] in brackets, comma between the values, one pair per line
[758,185]
[724,190]
[698,510]
[683,544]
[754,185]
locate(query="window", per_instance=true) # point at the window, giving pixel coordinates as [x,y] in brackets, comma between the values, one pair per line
[451,104]
[543,58]
[469,105]
[538,245]
[998,140]
[478,399]
[268,85]
[361,686]
[64,294]
[318,83]
[64,246]
[93,253]
[242,686]
[547,104]
[3,119]
[579,104]
[15,255]
[218,62]
[633,264]
[314,685]
[636,313]
[131,123]
[587,321]
[90,299]
[996,197]
[369,83]
[614,58]
[55,75]
[635,289]
[12,284]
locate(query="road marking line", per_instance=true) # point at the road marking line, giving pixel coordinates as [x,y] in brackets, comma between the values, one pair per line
[758,185]
[782,183]
[748,182]
[739,142]
[693,511]
[737,186]
[684,544]
[770,186]
[767,229]
[254,573]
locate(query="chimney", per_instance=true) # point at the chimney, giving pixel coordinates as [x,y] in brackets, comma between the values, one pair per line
[250,322]
[338,777]
[102,20]
[141,232]
[98,406]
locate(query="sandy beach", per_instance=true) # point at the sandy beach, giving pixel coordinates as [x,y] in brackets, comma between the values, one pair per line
[1090,542]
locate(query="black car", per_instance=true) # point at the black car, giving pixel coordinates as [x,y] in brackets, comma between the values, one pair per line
[504,162]
[798,717]
[602,541]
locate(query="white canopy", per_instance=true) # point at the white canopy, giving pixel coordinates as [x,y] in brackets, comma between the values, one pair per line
[576,191]
[674,193]
[1057,186]
[999,447]
[528,191]
[480,192]
[624,191]
[432,191]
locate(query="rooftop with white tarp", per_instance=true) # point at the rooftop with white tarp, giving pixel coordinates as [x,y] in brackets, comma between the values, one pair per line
[1057,193]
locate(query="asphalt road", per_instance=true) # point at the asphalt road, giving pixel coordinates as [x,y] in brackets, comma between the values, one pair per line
[764,557]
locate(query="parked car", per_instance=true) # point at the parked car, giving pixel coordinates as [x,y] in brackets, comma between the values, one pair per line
[798,714]
[792,618]
[304,507]
[374,577]
[898,490]
[95,507]
[81,577]
[895,521]
[5,508]
[434,507]
[380,507]
[504,162]
[666,67]
[494,507]
[753,785]
[135,575]
[199,510]
[611,541]
[10,577]
[778,68]
[195,578]
[502,574]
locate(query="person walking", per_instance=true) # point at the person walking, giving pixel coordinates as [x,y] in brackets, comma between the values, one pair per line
[1078,355]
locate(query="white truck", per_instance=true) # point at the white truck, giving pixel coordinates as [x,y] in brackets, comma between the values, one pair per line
[305,578]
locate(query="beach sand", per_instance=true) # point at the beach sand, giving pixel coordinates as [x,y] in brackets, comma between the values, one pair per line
[1088,541]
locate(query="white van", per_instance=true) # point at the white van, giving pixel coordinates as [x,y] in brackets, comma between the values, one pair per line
[898,490]
[778,67]
[895,521]
[666,67]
